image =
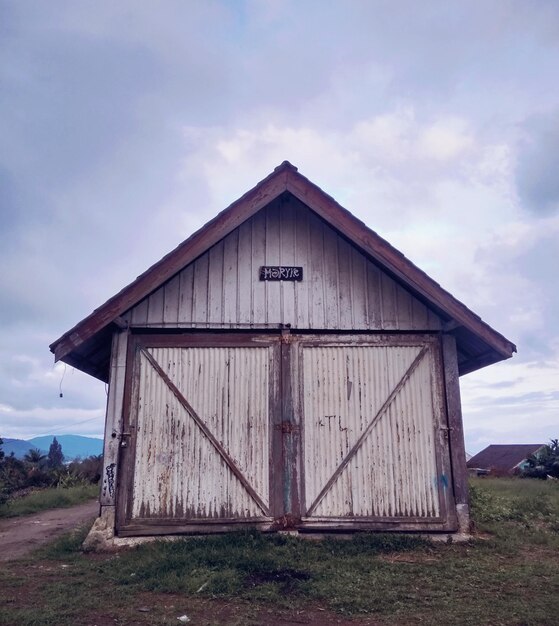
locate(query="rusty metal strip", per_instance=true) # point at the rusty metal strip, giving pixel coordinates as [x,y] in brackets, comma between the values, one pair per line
[202,426]
[367,430]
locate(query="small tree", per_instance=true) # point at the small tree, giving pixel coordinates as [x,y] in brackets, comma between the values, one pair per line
[88,469]
[55,457]
[34,457]
[13,475]
[1,451]
[545,463]
[37,473]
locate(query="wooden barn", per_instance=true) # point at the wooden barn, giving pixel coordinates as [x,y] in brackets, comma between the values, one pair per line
[283,368]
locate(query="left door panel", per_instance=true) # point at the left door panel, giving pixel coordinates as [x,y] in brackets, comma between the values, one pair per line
[201,419]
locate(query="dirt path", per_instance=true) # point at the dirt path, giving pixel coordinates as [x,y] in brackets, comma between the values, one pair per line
[21,535]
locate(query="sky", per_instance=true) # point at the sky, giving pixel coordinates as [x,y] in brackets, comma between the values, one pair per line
[125,126]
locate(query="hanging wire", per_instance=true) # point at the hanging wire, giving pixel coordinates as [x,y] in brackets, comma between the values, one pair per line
[61,395]
[65,427]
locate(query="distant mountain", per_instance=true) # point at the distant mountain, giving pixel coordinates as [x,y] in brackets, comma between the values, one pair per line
[73,446]
[19,447]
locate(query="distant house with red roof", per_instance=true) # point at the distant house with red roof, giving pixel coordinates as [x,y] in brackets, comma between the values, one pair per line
[503,459]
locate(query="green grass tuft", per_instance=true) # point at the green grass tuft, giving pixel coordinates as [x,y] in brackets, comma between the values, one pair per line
[45,499]
[527,501]
[64,547]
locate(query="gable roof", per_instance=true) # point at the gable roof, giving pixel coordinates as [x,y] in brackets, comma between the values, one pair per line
[87,345]
[504,457]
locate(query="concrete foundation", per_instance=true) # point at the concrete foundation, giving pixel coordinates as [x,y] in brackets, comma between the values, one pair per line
[101,537]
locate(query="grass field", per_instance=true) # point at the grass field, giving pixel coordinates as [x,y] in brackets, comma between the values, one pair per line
[508,575]
[45,499]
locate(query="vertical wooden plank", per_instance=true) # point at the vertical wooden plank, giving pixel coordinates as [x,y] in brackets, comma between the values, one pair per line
[388,302]
[330,269]
[441,435]
[186,294]
[419,317]
[215,284]
[139,314]
[274,304]
[287,257]
[374,301]
[297,399]
[291,434]
[317,316]
[200,291]
[155,307]
[359,290]
[258,259]
[302,256]
[171,301]
[434,320]
[231,291]
[127,447]
[456,432]
[403,308]
[114,417]
[275,447]
[246,273]
[345,303]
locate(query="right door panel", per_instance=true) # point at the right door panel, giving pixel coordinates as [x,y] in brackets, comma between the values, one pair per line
[374,437]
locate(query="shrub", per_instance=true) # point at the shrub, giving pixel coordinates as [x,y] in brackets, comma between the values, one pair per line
[545,463]
[88,469]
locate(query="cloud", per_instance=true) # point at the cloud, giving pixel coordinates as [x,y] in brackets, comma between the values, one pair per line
[536,173]
[41,421]
[366,163]
[525,411]
[518,279]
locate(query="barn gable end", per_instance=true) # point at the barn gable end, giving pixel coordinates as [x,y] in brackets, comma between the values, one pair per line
[87,345]
[342,288]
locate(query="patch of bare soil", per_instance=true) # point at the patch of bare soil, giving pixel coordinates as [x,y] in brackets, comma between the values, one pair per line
[21,535]
[150,608]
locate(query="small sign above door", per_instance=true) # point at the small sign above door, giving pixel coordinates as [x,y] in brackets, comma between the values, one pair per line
[281,272]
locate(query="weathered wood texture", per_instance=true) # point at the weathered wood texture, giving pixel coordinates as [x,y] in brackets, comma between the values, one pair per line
[456,432]
[113,421]
[373,410]
[342,289]
[203,417]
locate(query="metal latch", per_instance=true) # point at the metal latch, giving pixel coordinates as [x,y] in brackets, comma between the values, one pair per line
[123,442]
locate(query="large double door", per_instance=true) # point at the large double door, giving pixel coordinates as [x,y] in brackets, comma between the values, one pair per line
[275,431]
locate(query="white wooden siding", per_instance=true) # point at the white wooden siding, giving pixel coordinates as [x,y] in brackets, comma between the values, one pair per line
[341,288]
[178,473]
[393,472]
[113,421]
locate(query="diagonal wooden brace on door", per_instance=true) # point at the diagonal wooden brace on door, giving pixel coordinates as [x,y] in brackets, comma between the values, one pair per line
[209,435]
[367,430]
